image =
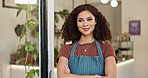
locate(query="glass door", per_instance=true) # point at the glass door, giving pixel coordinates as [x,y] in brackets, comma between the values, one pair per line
[47,38]
[34,40]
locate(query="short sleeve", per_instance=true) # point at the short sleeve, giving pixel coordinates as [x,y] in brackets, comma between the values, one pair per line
[109,51]
[63,52]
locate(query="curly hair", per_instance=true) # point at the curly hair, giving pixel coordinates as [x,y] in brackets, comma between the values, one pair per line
[70,30]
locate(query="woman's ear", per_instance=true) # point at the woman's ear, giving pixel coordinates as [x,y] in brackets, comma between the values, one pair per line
[95,22]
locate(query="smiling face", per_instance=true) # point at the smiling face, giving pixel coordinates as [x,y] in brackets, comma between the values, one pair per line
[86,22]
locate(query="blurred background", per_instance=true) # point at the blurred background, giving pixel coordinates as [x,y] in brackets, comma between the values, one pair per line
[127,18]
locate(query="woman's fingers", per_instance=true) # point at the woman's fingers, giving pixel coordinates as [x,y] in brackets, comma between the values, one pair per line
[67,70]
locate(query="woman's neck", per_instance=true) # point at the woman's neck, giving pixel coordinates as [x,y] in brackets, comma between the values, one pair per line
[86,39]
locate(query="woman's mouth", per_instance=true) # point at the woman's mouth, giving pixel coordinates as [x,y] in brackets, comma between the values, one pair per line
[85,29]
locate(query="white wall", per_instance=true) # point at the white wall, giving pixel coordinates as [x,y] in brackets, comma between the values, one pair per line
[8,38]
[113,15]
[137,10]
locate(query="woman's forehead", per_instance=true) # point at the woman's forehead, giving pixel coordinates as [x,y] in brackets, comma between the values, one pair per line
[85,14]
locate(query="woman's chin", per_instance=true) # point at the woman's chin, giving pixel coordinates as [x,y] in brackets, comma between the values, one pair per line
[87,33]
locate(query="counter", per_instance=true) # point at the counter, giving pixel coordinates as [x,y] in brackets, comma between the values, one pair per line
[125,69]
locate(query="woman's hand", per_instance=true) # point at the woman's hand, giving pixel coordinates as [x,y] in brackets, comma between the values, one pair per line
[97,76]
[66,69]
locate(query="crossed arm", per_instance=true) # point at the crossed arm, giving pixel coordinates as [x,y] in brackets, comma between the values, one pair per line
[64,72]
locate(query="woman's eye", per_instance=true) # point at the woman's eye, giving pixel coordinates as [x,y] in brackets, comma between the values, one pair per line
[89,19]
[80,20]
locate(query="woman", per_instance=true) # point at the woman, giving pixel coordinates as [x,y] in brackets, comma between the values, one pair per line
[89,55]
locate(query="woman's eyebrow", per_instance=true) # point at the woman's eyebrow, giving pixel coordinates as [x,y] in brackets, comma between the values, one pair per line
[80,18]
[87,17]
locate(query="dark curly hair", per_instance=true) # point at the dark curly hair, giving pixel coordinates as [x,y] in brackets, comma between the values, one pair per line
[70,30]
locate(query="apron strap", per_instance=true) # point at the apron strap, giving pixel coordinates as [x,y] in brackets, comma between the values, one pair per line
[99,48]
[74,48]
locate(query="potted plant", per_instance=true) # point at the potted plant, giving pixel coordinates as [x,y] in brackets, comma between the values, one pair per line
[27,53]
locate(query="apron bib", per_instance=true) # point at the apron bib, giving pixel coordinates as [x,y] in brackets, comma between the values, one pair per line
[86,65]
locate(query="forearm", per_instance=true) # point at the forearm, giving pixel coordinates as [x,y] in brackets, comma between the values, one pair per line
[64,72]
[107,77]
[68,75]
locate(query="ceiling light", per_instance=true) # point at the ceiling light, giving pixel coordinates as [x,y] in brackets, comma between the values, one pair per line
[104,1]
[114,3]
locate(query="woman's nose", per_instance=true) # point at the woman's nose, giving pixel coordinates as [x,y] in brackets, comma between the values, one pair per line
[85,23]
